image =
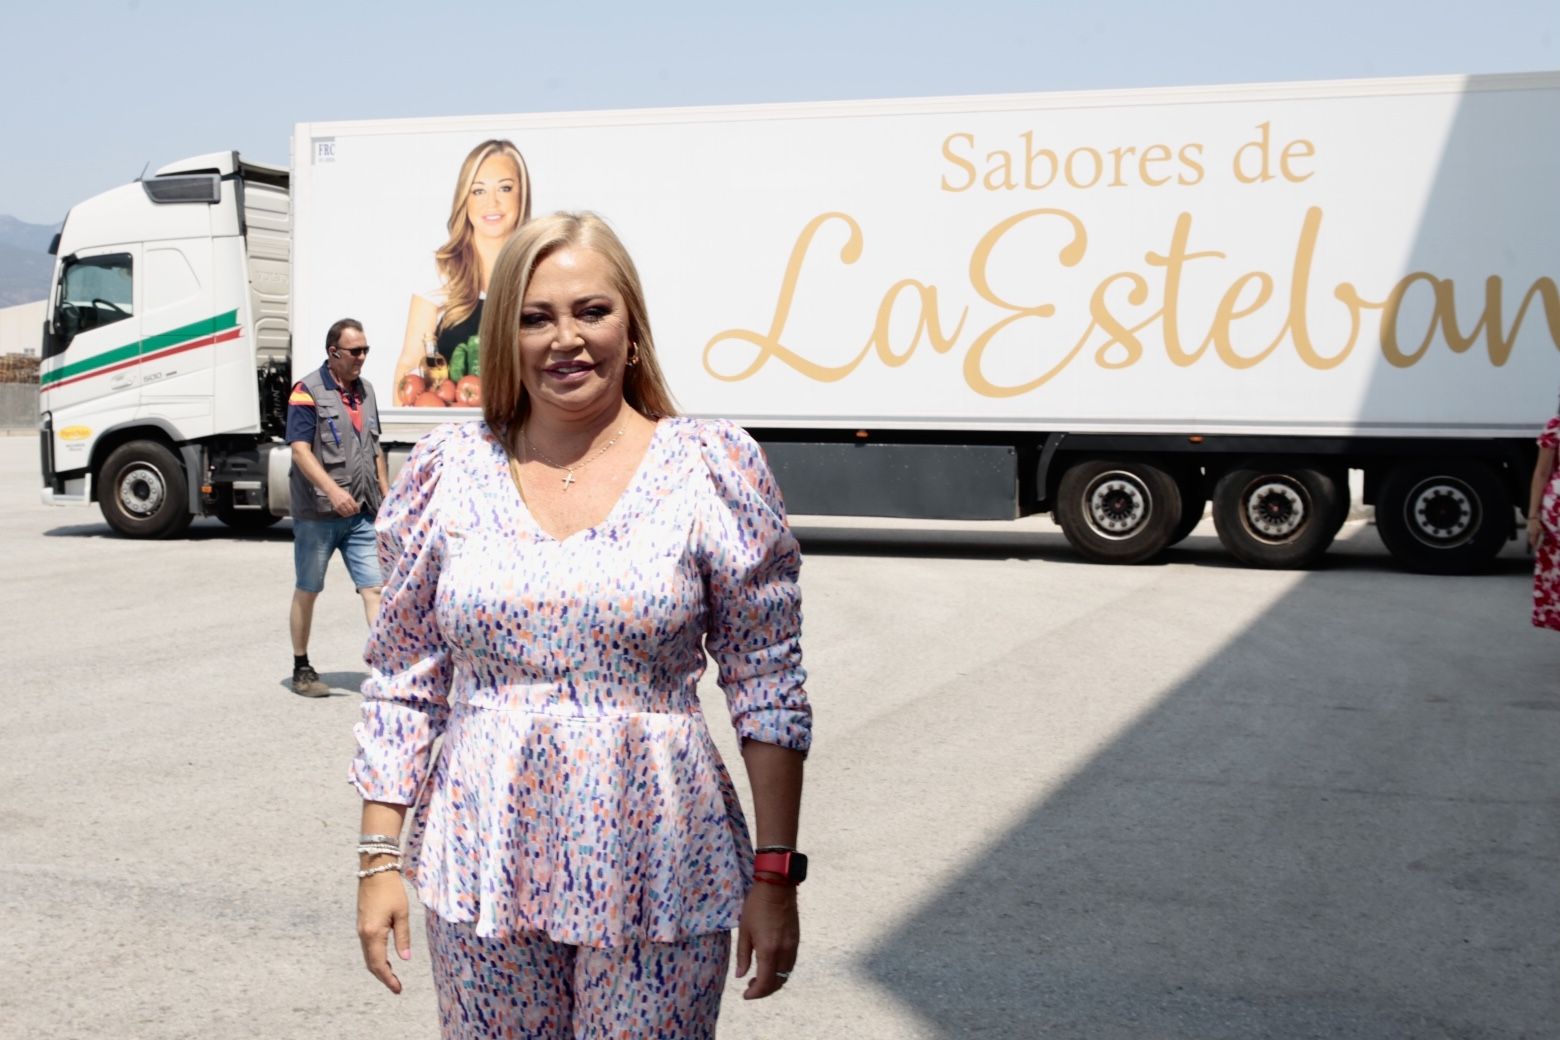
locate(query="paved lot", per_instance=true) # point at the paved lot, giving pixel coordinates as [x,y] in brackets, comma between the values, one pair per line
[1047,799]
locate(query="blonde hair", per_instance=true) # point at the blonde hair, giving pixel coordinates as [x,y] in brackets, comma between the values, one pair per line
[504,400]
[459,268]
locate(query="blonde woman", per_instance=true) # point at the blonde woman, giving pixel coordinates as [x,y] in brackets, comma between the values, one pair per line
[555,576]
[492,198]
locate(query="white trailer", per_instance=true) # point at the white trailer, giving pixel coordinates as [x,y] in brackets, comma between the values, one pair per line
[1111,306]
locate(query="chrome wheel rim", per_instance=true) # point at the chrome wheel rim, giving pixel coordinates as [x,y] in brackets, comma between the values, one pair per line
[1117,505]
[1442,512]
[142,490]
[1276,510]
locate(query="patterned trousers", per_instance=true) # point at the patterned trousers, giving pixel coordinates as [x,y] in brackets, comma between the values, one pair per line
[528,987]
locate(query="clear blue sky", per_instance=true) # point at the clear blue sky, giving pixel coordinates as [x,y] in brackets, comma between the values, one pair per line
[93,90]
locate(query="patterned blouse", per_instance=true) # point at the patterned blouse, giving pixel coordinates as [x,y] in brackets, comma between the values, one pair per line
[577,791]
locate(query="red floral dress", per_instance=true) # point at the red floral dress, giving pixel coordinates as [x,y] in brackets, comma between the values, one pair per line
[1546,567]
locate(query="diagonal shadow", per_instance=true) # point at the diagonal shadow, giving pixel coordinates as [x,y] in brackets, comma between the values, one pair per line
[1335,828]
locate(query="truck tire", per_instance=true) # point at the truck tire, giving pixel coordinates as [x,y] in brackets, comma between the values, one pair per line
[245,521]
[1118,511]
[1277,515]
[142,491]
[1444,518]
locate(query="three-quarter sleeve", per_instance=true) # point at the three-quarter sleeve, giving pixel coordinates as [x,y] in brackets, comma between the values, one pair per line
[751,563]
[405,696]
[1550,436]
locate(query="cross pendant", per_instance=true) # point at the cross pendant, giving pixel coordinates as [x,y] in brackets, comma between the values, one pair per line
[568,480]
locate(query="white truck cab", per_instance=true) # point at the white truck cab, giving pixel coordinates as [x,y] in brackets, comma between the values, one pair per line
[165,355]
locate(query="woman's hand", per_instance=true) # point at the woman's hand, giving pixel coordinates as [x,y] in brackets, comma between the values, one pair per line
[381,914]
[1535,532]
[771,930]
[421,320]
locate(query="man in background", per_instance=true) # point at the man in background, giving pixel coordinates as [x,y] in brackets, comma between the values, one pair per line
[338,479]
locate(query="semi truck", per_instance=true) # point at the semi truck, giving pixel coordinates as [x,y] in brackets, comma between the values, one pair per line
[1118,307]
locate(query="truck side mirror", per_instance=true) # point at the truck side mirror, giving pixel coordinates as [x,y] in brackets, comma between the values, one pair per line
[56,337]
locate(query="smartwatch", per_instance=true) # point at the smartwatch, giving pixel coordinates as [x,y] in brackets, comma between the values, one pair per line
[784,866]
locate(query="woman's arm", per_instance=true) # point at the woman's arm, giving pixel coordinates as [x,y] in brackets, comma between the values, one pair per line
[752,564]
[1542,471]
[381,901]
[405,698]
[770,926]
[421,320]
[775,775]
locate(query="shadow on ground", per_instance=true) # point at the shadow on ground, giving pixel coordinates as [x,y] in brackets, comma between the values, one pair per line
[200,531]
[1278,849]
[342,684]
[1358,548]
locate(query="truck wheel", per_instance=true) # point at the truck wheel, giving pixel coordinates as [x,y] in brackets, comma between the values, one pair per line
[1447,518]
[245,520]
[1276,515]
[1118,511]
[142,491]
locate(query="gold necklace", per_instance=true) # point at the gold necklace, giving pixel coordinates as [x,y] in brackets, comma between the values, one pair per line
[568,477]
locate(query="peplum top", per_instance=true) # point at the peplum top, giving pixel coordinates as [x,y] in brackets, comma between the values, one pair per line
[576,790]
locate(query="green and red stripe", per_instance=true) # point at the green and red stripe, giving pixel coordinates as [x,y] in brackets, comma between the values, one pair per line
[204,333]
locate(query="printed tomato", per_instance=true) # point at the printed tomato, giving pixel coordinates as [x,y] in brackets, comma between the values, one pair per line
[410,387]
[446,392]
[429,399]
[468,392]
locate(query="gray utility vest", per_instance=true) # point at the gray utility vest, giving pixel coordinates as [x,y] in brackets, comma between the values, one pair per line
[351,458]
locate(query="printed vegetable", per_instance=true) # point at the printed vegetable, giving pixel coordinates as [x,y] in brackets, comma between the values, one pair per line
[466,359]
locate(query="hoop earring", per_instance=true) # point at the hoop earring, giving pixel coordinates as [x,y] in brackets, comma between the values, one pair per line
[633,355]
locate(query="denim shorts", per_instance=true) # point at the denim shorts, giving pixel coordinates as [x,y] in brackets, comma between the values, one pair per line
[315,540]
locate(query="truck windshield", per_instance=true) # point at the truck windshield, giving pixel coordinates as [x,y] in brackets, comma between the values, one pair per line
[94,291]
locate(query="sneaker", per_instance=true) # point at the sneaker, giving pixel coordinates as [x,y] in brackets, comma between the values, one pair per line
[307,683]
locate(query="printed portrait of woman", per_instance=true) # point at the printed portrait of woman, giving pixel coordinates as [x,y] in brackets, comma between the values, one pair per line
[438,365]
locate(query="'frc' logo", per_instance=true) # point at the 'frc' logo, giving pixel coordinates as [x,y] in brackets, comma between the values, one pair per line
[324,150]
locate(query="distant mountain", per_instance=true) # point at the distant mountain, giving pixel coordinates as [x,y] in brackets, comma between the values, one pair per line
[25,264]
[22,235]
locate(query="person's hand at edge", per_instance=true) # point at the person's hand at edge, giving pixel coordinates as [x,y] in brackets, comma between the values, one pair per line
[769,933]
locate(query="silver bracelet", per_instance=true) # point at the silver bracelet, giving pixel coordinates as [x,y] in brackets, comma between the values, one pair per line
[375,850]
[379,839]
[371,871]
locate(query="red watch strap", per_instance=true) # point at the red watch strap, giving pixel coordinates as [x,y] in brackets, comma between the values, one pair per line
[773,863]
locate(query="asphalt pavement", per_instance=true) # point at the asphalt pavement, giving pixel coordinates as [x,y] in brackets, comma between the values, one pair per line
[1047,798]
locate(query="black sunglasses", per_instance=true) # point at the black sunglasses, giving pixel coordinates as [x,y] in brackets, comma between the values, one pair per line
[354,351]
